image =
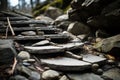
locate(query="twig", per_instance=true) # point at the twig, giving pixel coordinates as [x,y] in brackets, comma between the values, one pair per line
[9,24]
[13,67]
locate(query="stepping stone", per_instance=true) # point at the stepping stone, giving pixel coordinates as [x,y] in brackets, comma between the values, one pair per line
[13,18]
[85,76]
[93,59]
[66,64]
[44,49]
[52,49]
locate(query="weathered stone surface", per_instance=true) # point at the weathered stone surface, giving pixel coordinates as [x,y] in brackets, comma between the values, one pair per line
[85,76]
[78,28]
[53,48]
[50,75]
[93,59]
[29,33]
[63,25]
[34,76]
[114,74]
[18,77]
[53,12]
[41,43]
[66,64]
[108,44]
[71,46]
[44,49]
[64,78]
[61,18]
[44,19]
[24,55]
[24,70]
[7,51]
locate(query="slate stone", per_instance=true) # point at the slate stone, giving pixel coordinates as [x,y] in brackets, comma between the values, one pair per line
[44,49]
[44,42]
[71,46]
[113,74]
[29,33]
[93,59]
[7,51]
[84,76]
[65,64]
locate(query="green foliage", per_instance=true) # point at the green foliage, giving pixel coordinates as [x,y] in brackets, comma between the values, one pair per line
[61,4]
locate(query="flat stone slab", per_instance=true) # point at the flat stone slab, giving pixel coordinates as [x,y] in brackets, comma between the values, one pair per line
[52,49]
[85,76]
[92,58]
[66,64]
[44,49]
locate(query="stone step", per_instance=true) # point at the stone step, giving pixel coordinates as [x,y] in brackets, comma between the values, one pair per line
[65,64]
[53,49]
[93,59]
[46,30]
[13,18]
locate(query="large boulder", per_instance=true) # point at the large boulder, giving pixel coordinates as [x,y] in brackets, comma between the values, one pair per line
[78,28]
[7,51]
[109,45]
[53,12]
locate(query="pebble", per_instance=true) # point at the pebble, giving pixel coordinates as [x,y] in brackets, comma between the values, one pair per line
[99,72]
[95,66]
[50,75]
[24,55]
[64,78]
[111,62]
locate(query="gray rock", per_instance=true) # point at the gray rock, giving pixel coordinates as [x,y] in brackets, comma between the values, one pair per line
[34,76]
[41,43]
[95,66]
[61,18]
[108,44]
[18,77]
[23,55]
[29,60]
[7,51]
[93,59]
[53,12]
[78,28]
[64,78]
[29,33]
[50,75]
[85,76]
[63,25]
[113,74]
[45,19]
[66,64]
